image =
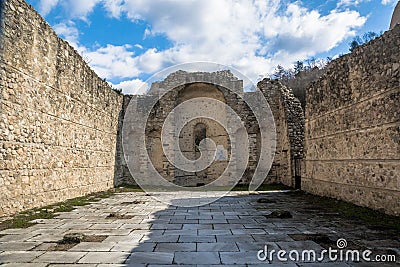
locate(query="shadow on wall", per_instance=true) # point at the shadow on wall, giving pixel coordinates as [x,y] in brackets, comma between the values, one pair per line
[119,154]
[120,168]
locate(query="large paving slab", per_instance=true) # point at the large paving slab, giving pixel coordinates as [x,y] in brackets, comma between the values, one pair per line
[230,231]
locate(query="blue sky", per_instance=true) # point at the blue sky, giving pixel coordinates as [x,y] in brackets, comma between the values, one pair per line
[126,41]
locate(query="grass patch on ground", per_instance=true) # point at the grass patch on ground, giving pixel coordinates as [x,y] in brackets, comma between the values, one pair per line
[374,219]
[23,219]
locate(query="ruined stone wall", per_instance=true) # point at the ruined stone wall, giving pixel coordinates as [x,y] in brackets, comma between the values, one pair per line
[289,123]
[285,107]
[353,127]
[396,16]
[184,86]
[58,119]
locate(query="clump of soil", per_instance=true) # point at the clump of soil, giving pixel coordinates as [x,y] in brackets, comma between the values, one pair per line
[71,240]
[68,242]
[118,216]
[280,214]
[135,202]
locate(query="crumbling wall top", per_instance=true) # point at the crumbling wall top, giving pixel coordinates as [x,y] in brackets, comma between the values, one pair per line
[396,16]
[223,78]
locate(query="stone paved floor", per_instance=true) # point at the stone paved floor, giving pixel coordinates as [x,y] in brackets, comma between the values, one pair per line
[229,231]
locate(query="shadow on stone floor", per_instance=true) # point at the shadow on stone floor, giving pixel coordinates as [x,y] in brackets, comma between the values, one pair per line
[229,231]
[233,229]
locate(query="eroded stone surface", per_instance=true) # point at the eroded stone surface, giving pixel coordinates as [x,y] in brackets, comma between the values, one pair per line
[352,127]
[59,120]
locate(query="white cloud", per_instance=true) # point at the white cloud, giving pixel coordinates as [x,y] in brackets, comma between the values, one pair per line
[114,7]
[113,61]
[69,32]
[138,46]
[347,3]
[45,6]
[350,2]
[252,36]
[75,8]
[132,87]
[389,2]
[80,8]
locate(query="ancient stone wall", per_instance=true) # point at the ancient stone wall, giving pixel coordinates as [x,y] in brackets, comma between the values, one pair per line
[58,120]
[353,127]
[396,16]
[289,123]
[285,108]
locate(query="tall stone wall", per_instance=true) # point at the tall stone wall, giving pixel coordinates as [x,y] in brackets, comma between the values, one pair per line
[286,109]
[353,127]
[58,119]
[289,123]
[396,16]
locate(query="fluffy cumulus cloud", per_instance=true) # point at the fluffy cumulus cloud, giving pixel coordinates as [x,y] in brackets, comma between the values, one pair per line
[69,32]
[74,8]
[112,61]
[45,6]
[252,36]
[134,87]
[80,8]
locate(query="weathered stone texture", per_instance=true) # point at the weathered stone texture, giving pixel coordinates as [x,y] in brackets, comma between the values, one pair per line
[353,125]
[396,16]
[286,110]
[58,118]
[289,123]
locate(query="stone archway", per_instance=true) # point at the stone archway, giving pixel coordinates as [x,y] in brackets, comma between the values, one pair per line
[198,129]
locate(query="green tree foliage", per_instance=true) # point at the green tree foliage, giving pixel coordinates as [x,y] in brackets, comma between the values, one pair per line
[301,75]
[305,72]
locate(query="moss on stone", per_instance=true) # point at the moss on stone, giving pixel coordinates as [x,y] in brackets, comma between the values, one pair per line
[24,219]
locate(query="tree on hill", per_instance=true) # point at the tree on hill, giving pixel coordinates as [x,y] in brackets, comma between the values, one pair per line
[301,75]
[358,40]
[305,72]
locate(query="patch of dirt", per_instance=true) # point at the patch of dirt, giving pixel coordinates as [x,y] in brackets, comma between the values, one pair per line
[68,242]
[71,240]
[280,214]
[119,216]
[135,202]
